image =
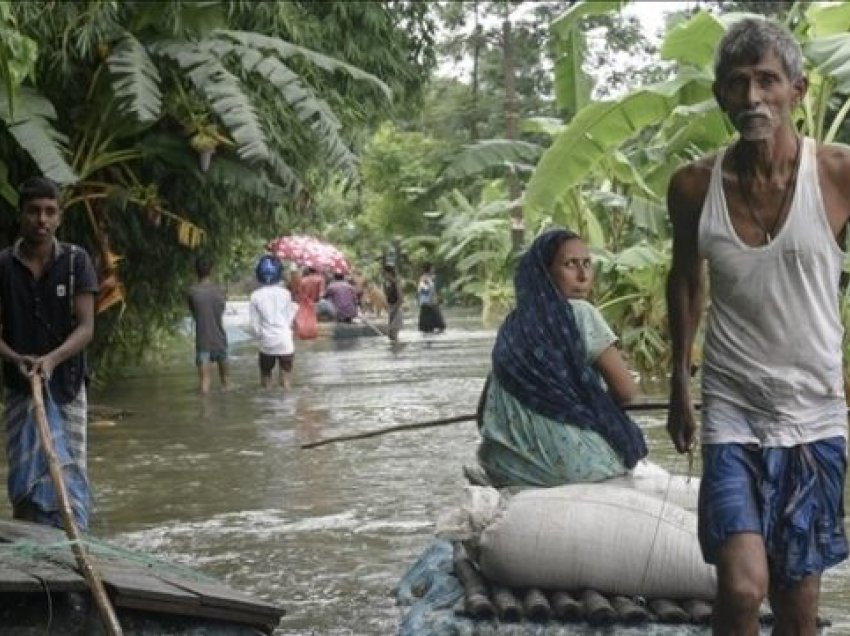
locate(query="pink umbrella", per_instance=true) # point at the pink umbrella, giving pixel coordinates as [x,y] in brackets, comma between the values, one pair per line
[308,251]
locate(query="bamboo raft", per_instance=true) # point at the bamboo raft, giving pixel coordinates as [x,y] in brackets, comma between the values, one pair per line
[42,591]
[444,592]
[483,600]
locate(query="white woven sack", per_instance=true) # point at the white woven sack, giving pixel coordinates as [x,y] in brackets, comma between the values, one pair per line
[653,479]
[611,539]
[466,521]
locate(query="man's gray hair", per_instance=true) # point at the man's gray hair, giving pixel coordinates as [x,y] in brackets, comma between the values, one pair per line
[748,40]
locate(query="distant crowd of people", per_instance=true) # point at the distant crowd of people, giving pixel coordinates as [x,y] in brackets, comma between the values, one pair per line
[287,306]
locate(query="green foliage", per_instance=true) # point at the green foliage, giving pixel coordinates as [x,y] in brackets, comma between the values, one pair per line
[18,54]
[476,240]
[572,83]
[485,156]
[475,29]
[124,100]
[397,168]
[30,126]
[136,79]
[600,128]
[630,293]
[607,170]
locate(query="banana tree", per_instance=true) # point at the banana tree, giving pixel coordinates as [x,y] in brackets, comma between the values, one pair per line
[130,72]
[124,98]
[475,238]
[630,146]
[18,54]
[630,293]
[678,119]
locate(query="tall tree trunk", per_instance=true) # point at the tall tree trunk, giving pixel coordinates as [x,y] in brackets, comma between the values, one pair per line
[512,132]
[477,36]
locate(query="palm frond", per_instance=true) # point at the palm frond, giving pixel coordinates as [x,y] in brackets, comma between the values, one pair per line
[490,153]
[252,183]
[284,50]
[7,190]
[309,108]
[285,176]
[32,130]
[169,149]
[136,79]
[224,92]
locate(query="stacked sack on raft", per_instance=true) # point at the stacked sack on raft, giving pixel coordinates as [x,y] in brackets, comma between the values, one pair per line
[624,550]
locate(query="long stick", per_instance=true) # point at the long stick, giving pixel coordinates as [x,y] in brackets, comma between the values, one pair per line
[107,612]
[372,327]
[638,406]
[391,429]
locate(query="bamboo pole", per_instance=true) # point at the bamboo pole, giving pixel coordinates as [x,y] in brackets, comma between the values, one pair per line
[372,327]
[476,602]
[638,406]
[390,429]
[107,612]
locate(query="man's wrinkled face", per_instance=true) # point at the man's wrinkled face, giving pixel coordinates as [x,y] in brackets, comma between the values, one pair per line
[759,97]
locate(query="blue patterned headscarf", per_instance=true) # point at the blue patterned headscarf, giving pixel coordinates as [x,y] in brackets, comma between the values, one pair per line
[539,356]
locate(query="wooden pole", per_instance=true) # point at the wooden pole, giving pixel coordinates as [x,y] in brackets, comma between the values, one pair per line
[638,406]
[391,429]
[107,612]
[372,327]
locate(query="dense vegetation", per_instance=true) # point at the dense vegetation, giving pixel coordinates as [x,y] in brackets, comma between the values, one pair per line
[184,126]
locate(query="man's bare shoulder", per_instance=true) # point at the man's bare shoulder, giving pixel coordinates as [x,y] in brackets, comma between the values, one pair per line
[689,185]
[834,161]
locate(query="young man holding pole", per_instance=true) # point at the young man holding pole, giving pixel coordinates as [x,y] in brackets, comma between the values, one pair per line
[47,291]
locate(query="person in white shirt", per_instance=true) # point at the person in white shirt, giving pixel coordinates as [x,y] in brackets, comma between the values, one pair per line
[271,312]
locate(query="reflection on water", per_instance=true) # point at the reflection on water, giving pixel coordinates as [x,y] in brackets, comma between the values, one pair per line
[220,483]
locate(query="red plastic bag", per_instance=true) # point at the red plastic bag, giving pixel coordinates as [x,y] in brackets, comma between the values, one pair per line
[305,323]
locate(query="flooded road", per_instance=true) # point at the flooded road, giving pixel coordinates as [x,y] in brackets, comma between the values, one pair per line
[220,483]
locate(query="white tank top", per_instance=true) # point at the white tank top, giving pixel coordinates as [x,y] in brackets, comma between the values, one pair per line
[772,372]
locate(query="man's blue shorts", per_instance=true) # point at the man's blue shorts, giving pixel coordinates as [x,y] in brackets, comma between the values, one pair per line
[793,497]
[205,357]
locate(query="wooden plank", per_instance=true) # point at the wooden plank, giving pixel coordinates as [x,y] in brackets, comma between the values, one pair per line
[135,582]
[58,554]
[55,572]
[159,606]
[57,578]
[138,583]
[14,580]
[14,531]
[49,576]
[219,595]
[131,585]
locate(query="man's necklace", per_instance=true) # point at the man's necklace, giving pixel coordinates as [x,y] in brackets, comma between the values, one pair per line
[770,232]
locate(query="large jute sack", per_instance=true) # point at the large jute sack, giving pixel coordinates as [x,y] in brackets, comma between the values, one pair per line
[655,480]
[612,539]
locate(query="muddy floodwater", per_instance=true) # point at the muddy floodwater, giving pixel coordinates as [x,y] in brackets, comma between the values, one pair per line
[220,482]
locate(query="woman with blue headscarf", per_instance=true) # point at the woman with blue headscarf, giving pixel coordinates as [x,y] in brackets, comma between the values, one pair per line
[552,409]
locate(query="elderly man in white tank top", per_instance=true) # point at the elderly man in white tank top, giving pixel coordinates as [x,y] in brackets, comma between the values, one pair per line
[768,215]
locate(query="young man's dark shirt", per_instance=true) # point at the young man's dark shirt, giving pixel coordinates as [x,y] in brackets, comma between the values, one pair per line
[37,315]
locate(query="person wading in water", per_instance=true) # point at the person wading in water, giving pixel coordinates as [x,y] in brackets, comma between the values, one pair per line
[768,214]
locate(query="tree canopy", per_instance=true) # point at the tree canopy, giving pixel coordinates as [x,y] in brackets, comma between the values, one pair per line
[177,126]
